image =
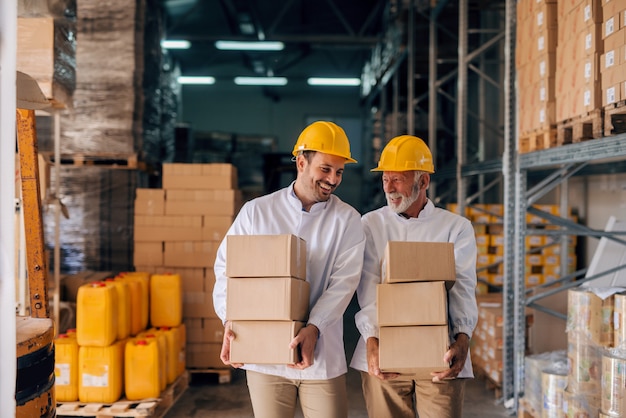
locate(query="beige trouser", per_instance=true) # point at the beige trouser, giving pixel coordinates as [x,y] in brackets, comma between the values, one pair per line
[401,398]
[276,397]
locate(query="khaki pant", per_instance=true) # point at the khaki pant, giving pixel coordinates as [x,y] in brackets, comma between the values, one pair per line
[276,397]
[402,398]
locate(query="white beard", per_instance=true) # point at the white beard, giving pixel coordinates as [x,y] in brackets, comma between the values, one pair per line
[405,203]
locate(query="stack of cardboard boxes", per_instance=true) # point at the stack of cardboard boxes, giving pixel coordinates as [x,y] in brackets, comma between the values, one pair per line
[267,296]
[543,252]
[487,341]
[536,68]
[412,307]
[178,229]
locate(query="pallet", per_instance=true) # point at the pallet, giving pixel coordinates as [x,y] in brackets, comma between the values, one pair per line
[525,410]
[580,128]
[223,375]
[537,140]
[152,407]
[615,118]
[98,159]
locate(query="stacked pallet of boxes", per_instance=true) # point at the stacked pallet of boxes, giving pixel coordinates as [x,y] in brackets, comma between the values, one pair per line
[536,67]
[543,252]
[178,229]
[412,307]
[613,65]
[578,81]
[46,48]
[487,341]
[267,296]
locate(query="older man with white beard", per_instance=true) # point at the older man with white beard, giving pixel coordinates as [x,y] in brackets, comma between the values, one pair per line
[406,163]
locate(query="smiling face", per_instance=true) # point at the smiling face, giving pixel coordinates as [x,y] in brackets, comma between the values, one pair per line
[405,191]
[319,175]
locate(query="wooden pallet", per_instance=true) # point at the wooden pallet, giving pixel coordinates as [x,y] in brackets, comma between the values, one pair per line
[537,140]
[99,159]
[525,410]
[615,118]
[580,128]
[223,375]
[152,407]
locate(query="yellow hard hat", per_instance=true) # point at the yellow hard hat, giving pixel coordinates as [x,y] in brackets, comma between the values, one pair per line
[406,153]
[325,137]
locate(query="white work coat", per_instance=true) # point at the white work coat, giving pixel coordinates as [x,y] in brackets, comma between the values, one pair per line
[334,247]
[432,225]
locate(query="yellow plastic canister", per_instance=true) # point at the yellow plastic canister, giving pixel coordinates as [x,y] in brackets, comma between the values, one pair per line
[144,281]
[161,340]
[96,314]
[101,371]
[136,301]
[143,369]
[172,336]
[166,297]
[123,304]
[66,368]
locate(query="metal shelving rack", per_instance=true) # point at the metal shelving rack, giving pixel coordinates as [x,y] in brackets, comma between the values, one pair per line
[510,169]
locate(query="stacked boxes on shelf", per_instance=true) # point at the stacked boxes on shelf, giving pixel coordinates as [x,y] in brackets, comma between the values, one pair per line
[412,306]
[578,55]
[543,252]
[178,229]
[267,296]
[536,68]
[613,60]
[46,50]
[487,340]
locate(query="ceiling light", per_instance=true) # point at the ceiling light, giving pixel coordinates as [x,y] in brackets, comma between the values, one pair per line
[260,81]
[250,46]
[175,44]
[196,80]
[321,81]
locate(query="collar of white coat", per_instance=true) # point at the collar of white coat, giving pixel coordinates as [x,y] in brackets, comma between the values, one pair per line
[297,203]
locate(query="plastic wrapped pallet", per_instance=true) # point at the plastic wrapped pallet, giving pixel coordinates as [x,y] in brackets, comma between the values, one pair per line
[535,365]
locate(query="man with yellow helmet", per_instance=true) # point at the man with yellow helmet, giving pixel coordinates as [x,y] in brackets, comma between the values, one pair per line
[406,164]
[335,242]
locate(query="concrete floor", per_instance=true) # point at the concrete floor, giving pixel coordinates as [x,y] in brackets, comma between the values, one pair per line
[206,398]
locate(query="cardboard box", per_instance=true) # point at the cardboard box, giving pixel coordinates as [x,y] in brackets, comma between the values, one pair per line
[418,262]
[420,303]
[167,228]
[264,342]
[199,176]
[148,254]
[415,350]
[150,202]
[190,254]
[204,330]
[46,50]
[192,278]
[198,305]
[267,298]
[265,256]
[215,227]
[204,355]
[203,202]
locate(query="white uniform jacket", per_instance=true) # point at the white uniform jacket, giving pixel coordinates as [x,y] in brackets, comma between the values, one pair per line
[334,243]
[432,225]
